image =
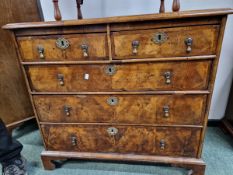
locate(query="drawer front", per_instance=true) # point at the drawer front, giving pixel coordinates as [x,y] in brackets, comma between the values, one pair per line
[64,47]
[122,109]
[177,141]
[167,42]
[191,75]
[122,139]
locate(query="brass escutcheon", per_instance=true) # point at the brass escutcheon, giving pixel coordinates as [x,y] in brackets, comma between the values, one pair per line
[160,38]
[112,101]
[110,70]
[62,43]
[112,131]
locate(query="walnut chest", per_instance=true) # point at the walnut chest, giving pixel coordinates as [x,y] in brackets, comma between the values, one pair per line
[135,88]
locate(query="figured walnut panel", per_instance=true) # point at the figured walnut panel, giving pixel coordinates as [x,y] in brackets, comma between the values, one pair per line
[89,138]
[128,77]
[178,141]
[128,139]
[96,47]
[131,109]
[204,42]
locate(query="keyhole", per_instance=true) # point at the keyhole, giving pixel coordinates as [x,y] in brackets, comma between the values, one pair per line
[159,37]
[112,101]
[110,70]
[62,43]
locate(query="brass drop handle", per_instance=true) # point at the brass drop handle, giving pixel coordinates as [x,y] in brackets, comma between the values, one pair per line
[162,144]
[135,45]
[112,131]
[67,110]
[166,111]
[40,50]
[74,140]
[60,78]
[84,48]
[189,43]
[167,76]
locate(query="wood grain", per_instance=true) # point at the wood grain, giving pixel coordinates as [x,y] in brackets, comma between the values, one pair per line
[131,109]
[128,77]
[204,42]
[15,106]
[163,92]
[146,139]
[96,47]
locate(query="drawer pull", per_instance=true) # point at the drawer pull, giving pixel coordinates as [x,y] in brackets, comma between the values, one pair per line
[60,78]
[167,76]
[135,45]
[162,144]
[40,50]
[84,48]
[67,110]
[112,101]
[62,43]
[74,140]
[166,111]
[189,43]
[110,70]
[112,131]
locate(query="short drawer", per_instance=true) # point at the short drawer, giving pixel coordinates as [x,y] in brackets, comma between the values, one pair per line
[166,42]
[191,75]
[161,141]
[77,47]
[122,109]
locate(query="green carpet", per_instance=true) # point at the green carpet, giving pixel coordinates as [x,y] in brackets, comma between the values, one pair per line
[218,154]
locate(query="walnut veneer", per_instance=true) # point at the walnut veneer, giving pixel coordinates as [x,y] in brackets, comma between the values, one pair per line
[135,88]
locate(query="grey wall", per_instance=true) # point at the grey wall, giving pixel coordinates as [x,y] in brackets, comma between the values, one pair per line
[105,8]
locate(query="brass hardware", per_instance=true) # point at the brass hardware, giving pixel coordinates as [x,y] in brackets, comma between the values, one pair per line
[110,70]
[41,51]
[84,47]
[113,101]
[160,38]
[67,110]
[62,43]
[167,76]
[112,131]
[135,45]
[60,78]
[162,144]
[74,140]
[189,43]
[86,76]
[166,111]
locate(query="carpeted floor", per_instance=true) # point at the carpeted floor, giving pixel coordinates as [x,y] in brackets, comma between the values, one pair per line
[218,154]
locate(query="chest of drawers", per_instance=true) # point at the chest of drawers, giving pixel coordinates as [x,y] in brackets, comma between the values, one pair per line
[134,88]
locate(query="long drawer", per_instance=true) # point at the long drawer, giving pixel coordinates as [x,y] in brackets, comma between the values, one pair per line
[166,42]
[163,141]
[122,109]
[190,75]
[76,47]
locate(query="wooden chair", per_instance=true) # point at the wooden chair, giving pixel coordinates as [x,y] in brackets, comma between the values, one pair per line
[58,17]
